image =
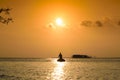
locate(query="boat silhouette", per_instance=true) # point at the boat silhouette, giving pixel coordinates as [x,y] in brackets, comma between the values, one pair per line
[60,58]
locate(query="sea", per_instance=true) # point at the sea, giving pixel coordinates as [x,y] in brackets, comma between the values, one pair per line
[50,69]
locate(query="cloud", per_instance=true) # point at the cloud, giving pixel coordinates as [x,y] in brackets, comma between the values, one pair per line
[111,22]
[118,23]
[106,22]
[99,23]
[50,25]
[86,23]
[107,19]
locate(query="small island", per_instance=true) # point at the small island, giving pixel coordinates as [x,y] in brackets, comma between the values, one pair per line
[80,56]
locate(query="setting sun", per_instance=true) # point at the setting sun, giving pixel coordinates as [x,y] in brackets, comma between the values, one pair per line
[59,22]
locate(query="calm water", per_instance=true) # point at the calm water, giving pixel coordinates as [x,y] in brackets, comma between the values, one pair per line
[49,69]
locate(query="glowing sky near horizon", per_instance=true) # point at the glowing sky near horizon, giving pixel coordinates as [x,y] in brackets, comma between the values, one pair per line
[91,27]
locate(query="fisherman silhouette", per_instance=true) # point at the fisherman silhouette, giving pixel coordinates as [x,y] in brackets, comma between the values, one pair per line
[60,58]
[60,55]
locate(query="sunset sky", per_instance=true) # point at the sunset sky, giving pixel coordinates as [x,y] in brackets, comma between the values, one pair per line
[44,28]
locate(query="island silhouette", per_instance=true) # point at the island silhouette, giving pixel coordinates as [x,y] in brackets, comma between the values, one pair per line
[80,56]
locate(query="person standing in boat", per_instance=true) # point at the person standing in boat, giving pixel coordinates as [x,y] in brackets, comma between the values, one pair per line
[60,55]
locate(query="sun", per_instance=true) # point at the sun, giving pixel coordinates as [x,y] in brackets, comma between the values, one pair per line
[59,22]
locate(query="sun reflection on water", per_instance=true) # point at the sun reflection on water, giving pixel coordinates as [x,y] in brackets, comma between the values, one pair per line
[58,72]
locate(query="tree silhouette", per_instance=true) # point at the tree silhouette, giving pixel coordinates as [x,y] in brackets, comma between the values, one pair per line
[4,15]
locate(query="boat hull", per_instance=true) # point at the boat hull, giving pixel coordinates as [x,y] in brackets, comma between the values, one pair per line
[61,60]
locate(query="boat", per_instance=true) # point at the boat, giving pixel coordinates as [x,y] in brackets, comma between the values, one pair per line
[60,58]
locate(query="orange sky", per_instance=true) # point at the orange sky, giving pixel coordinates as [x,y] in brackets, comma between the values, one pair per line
[91,27]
